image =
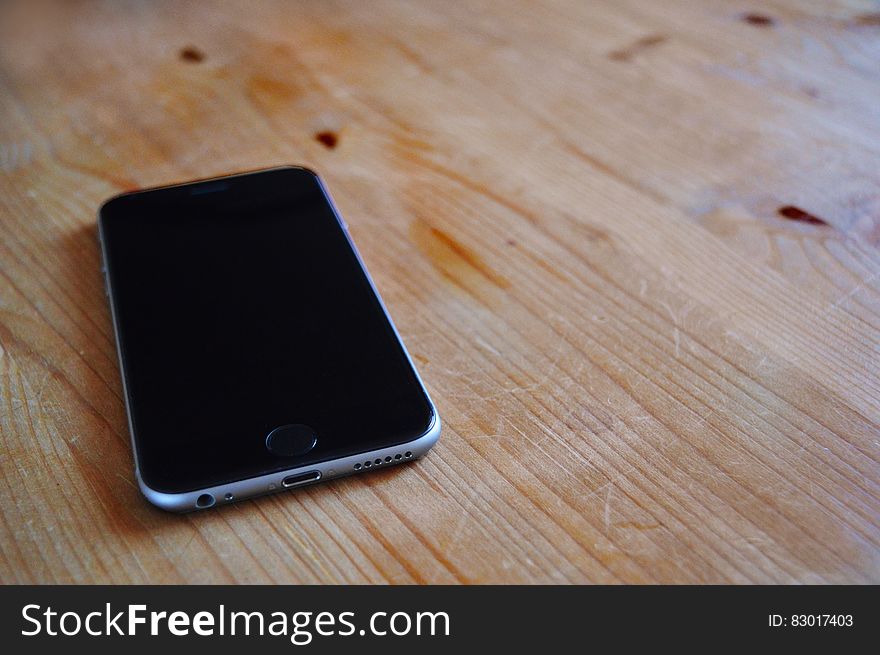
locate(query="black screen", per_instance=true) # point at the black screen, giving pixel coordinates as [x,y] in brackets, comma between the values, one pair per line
[241,307]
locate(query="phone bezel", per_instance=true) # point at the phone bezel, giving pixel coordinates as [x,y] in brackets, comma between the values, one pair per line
[254,486]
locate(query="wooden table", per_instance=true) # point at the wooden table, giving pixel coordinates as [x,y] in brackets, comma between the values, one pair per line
[631,247]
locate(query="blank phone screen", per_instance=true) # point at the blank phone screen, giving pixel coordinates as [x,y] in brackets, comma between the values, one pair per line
[240,307]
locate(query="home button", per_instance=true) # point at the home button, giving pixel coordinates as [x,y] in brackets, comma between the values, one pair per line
[290,440]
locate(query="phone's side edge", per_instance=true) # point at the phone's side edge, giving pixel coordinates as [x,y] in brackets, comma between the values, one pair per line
[105,272]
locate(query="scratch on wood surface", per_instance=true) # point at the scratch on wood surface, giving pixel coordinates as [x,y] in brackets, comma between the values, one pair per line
[849,294]
[127,480]
[459,530]
[676,335]
[607,511]
[183,549]
[15,155]
[487,346]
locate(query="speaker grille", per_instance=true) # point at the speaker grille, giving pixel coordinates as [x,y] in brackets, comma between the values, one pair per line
[390,459]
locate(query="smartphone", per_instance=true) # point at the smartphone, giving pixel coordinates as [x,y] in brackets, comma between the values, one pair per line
[255,351]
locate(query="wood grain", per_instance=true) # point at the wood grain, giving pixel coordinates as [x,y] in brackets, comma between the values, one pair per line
[632,248]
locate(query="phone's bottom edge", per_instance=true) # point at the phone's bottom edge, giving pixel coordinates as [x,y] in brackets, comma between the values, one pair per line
[228,493]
